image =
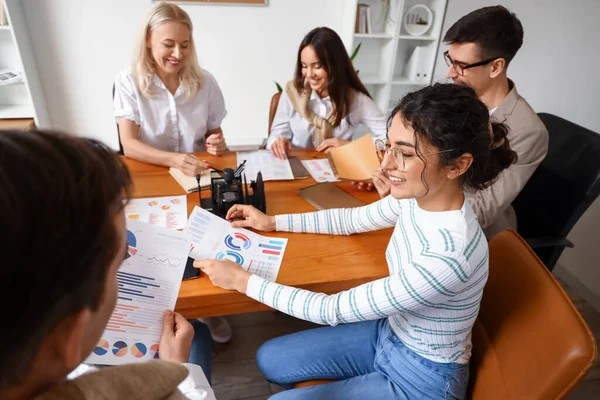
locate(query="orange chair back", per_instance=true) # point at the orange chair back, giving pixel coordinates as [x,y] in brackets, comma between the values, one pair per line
[529,341]
[273,109]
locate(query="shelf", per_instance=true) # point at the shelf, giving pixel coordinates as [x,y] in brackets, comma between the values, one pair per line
[410,37]
[4,28]
[372,36]
[20,82]
[9,111]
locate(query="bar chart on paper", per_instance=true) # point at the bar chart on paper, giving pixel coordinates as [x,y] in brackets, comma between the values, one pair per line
[258,254]
[147,284]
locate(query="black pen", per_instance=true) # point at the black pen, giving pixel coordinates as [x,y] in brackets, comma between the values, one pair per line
[241,166]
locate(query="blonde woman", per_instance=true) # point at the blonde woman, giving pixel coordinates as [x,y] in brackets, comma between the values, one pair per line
[165,104]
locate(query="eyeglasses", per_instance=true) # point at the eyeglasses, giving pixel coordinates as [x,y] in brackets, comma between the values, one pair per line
[460,67]
[384,147]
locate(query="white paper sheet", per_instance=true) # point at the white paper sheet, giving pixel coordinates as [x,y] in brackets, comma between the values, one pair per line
[272,168]
[148,283]
[214,238]
[320,170]
[168,212]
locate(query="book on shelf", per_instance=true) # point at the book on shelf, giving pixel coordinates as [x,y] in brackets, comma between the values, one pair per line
[355,161]
[363,19]
[415,69]
[3,17]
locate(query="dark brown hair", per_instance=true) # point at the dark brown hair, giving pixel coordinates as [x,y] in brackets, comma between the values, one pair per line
[453,120]
[342,80]
[59,199]
[496,31]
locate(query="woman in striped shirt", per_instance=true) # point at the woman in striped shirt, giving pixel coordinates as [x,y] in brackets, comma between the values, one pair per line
[407,336]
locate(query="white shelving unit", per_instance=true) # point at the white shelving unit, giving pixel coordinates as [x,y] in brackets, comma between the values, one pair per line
[384,53]
[25,99]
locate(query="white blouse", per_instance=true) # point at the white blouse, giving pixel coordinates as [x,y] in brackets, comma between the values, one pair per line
[289,124]
[170,122]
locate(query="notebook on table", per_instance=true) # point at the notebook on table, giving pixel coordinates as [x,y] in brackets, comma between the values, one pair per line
[189,183]
[355,161]
[328,195]
[297,168]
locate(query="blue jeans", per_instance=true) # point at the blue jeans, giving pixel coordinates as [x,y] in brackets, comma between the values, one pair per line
[366,358]
[202,346]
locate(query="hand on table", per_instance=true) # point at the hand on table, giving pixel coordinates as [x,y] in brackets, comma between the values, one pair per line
[215,144]
[367,186]
[250,217]
[225,274]
[189,164]
[176,338]
[280,147]
[332,142]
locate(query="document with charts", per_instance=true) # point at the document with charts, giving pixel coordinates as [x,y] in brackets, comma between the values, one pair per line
[320,170]
[214,238]
[148,284]
[168,212]
[272,168]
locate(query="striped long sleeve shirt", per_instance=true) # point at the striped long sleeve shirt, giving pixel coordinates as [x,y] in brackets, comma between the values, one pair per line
[438,264]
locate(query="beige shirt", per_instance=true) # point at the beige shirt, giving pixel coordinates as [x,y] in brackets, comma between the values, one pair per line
[300,132]
[528,137]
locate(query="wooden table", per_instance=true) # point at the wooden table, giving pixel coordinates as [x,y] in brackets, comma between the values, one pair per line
[320,263]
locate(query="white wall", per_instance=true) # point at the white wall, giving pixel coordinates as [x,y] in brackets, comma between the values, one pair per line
[82,45]
[556,71]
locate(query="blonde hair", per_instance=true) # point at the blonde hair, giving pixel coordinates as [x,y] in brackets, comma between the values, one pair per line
[143,69]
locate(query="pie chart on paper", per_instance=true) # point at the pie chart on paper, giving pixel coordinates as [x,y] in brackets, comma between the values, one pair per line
[131,245]
[138,350]
[101,348]
[154,350]
[119,348]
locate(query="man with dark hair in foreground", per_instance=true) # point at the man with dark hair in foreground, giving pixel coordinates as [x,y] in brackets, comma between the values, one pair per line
[63,239]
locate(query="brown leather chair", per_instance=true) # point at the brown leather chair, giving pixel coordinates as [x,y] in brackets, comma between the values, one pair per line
[529,341]
[273,109]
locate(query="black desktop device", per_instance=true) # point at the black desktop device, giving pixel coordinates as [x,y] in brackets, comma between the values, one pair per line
[226,190]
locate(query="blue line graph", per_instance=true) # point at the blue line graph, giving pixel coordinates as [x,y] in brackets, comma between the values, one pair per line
[162,260]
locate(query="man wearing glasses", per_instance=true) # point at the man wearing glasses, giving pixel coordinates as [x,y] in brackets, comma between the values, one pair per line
[482,44]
